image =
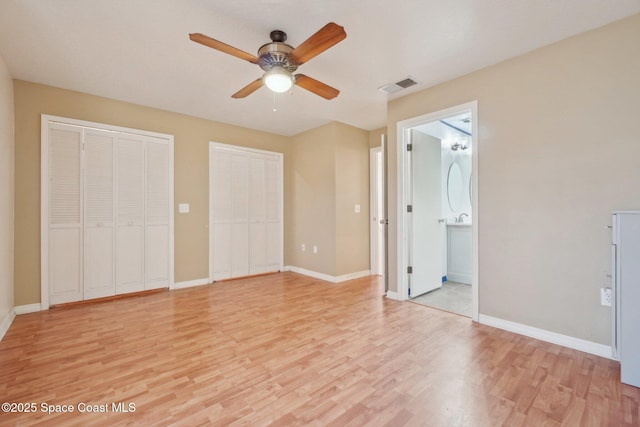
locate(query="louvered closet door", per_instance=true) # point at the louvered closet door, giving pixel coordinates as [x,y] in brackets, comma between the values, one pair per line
[257,216]
[221,217]
[157,213]
[273,217]
[65,216]
[239,215]
[130,214]
[246,219]
[99,238]
[230,214]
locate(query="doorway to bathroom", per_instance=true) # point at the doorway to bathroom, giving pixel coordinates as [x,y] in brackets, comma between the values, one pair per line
[438,224]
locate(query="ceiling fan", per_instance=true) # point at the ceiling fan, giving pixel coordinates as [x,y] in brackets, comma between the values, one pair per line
[279,60]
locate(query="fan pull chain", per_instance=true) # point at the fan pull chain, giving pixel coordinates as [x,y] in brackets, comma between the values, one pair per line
[274,102]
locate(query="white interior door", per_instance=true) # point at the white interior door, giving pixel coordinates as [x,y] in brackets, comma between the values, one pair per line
[425,237]
[64,214]
[99,239]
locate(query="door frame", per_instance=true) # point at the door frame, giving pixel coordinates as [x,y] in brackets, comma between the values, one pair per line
[376,206]
[403,136]
[239,148]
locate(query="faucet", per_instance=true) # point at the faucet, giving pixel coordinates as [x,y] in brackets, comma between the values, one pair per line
[460,218]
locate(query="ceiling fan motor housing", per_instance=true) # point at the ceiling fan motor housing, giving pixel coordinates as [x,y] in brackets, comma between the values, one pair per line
[276,53]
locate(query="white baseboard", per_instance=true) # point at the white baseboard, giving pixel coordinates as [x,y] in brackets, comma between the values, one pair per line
[393,295]
[29,308]
[6,322]
[459,278]
[548,336]
[190,283]
[351,276]
[326,277]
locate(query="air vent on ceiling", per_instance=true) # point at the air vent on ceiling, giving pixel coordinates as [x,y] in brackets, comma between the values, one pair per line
[398,86]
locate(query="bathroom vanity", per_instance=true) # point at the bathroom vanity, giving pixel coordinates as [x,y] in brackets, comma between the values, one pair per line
[459,258]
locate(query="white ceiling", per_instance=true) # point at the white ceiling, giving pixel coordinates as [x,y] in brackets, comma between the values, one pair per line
[139,50]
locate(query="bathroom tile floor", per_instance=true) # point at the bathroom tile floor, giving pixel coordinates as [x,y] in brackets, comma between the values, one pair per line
[452,296]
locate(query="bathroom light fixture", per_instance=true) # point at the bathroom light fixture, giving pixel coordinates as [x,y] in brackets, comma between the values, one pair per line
[278,79]
[456,144]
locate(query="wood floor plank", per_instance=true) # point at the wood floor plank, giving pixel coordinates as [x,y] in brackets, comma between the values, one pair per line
[287,350]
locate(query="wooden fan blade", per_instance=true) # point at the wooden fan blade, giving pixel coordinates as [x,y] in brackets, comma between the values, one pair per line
[248,89]
[223,47]
[314,86]
[322,40]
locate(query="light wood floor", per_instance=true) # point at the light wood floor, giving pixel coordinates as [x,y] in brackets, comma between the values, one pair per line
[289,350]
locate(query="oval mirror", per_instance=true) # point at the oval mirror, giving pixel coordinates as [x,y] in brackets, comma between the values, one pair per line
[454,187]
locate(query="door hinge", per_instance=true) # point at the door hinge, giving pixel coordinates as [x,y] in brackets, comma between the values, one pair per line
[409,208]
[409,147]
[409,270]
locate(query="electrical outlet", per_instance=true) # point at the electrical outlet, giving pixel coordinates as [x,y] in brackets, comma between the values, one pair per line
[315,249]
[605,296]
[303,247]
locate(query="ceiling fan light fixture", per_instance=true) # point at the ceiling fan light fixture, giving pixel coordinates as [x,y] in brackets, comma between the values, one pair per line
[278,79]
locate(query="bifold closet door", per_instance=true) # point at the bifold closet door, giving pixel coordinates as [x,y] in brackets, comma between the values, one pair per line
[107,223]
[130,214]
[221,200]
[230,220]
[273,216]
[257,216]
[264,215]
[64,213]
[246,219]
[99,231]
[157,237]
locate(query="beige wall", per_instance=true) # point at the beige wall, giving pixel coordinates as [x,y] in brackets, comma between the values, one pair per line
[374,137]
[558,151]
[352,187]
[6,192]
[328,175]
[311,205]
[192,136]
[315,206]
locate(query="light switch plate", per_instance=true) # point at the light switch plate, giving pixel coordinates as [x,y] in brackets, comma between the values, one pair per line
[356,208]
[183,207]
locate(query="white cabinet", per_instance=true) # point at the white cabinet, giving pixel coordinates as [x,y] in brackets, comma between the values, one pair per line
[107,223]
[459,258]
[245,211]
[626,287]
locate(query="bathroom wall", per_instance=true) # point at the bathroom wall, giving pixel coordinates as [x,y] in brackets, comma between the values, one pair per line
[460,254]
[463,159]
